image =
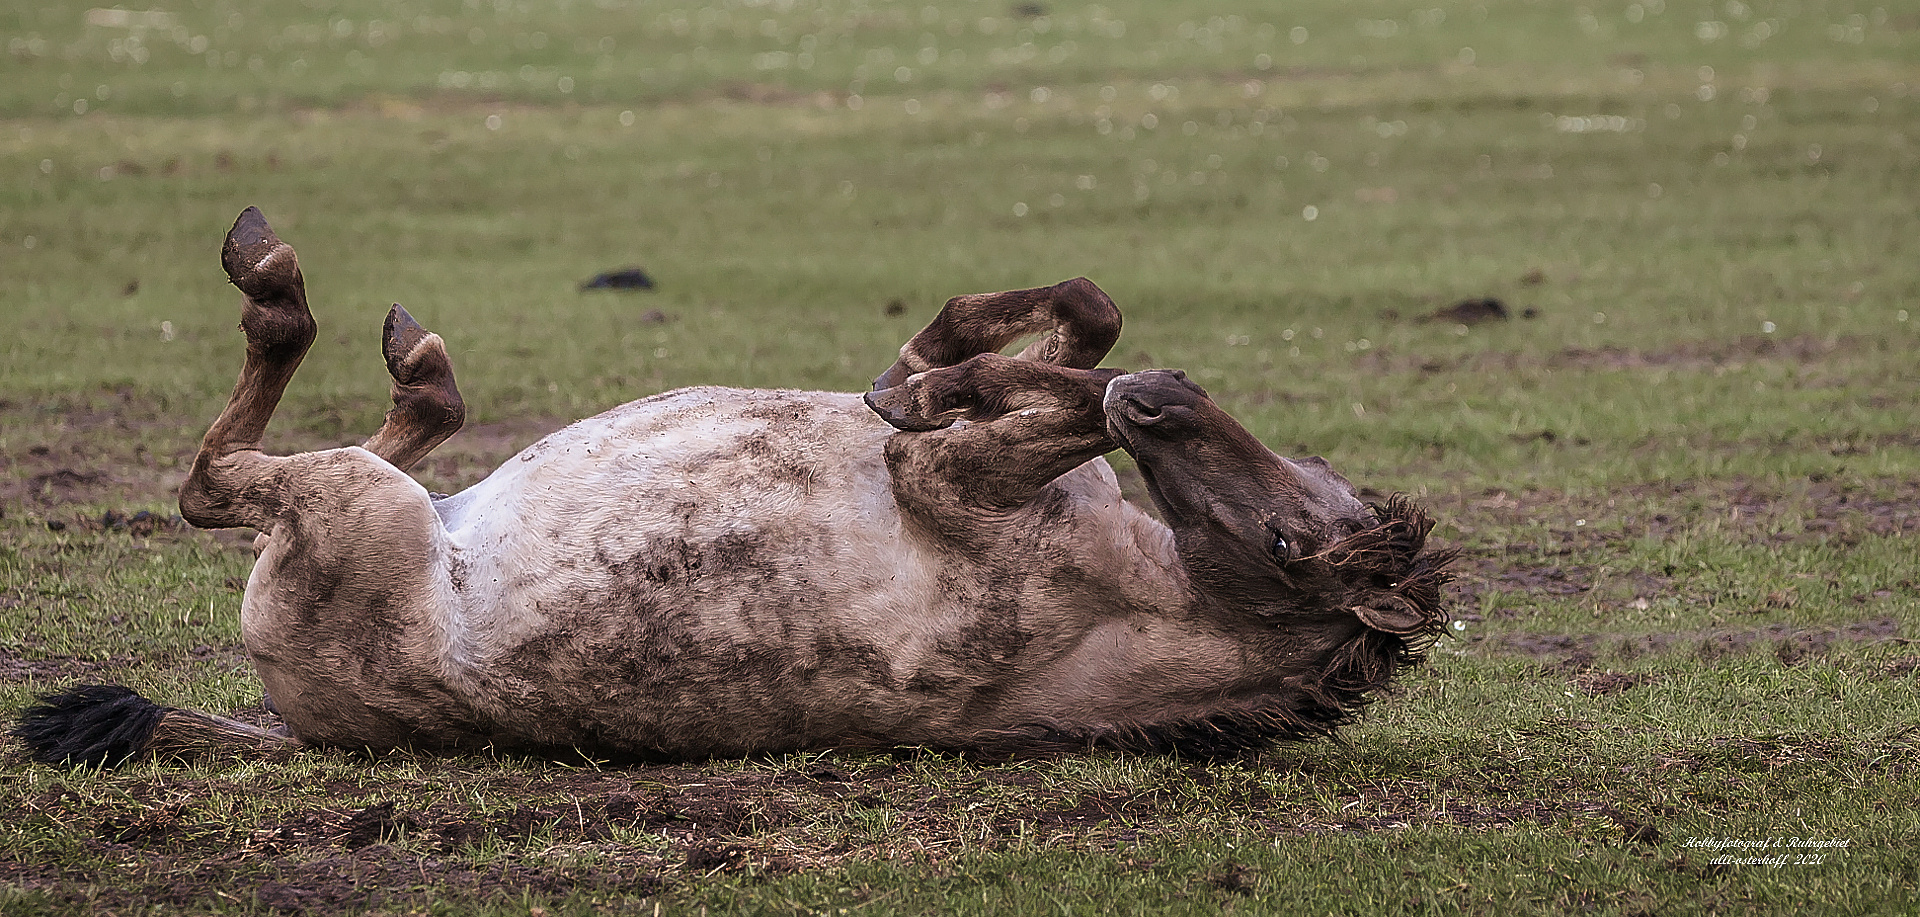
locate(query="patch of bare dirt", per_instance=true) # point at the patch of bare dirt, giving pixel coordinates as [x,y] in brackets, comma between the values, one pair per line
[366,842]
[57,667]
[137,523]
[1903,667]
[1600,683]
[1799,348]
[1769,512]
[1480,575]
[121,449]
[1890,753]
[1789,643]
[1581,546]
[1719,353]
[59,485]
[60,668]
[103,448]
[1234,878]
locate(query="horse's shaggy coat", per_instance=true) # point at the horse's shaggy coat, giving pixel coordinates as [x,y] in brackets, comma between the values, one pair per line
[716,571]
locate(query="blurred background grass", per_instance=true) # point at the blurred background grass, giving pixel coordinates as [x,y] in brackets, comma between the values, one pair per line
[1271,196]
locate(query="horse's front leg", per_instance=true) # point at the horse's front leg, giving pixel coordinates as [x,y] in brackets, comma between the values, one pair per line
[1077,323]
[988,434]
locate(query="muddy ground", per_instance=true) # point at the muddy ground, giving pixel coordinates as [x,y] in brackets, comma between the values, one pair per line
[640,831]
[108,469]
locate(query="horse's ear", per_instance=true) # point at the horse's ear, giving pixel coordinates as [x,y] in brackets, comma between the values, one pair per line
[1392,614]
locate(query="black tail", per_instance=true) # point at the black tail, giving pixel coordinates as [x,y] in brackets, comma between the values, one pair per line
[92,725]
[107,725]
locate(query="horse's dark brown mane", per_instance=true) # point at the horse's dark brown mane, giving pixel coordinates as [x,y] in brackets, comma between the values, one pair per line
[1385,563]
[1389,563]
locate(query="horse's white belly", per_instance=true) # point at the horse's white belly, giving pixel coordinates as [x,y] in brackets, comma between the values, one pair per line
[788,481]
[682,535]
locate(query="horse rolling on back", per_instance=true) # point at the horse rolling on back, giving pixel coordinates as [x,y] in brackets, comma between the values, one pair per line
[945,561]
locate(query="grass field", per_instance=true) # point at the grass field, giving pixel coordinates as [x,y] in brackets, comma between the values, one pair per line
[1685,475]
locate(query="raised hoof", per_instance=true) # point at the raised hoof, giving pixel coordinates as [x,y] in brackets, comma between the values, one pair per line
[895,374]
[414,355]
[275,318]
[427,407]
[901,410]
[257,262]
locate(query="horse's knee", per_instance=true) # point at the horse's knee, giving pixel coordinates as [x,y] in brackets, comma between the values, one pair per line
[230,491]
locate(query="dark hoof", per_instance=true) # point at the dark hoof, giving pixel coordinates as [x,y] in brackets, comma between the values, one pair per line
[399,338]
[896,408]
[895,374]
[257,262]
[425,398]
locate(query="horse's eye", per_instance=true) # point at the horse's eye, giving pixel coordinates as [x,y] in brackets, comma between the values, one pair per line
[1282,551]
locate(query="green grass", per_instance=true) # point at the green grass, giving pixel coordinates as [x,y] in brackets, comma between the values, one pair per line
[1685,487]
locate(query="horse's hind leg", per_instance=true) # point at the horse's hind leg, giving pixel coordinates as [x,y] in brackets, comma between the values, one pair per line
[1077,321]
[230,484]
[426,404]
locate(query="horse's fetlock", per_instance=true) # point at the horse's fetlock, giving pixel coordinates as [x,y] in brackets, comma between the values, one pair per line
[278,334]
